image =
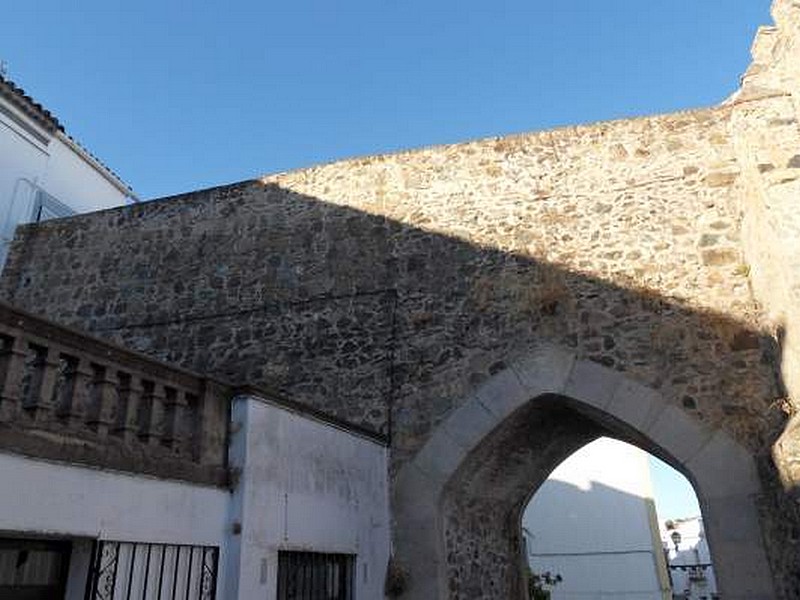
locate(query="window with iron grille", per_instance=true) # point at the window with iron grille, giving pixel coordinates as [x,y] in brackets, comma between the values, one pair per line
[315,576]
[152,571]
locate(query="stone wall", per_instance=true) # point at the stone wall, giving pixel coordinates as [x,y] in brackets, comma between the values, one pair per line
[404,280]
[767,140]
[764,125]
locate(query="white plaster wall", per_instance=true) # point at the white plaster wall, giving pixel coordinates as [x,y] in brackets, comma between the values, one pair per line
[592,525]
[50,498]
[61,501]
[76,183]
[305,486]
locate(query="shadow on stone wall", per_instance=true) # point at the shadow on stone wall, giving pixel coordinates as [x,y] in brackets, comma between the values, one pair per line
[383,324]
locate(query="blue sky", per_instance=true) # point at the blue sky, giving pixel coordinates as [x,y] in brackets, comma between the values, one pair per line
[674,496]
[177,96]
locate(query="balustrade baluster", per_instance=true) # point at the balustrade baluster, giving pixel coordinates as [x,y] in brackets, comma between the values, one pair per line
[151,413]
[45,395]
[104,400]
[35,362]
[190,425]
[12,370]
[129,400]
[65,385]
[81,394]
[174,410]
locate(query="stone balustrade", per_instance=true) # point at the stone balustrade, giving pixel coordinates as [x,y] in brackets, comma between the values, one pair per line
[65,395]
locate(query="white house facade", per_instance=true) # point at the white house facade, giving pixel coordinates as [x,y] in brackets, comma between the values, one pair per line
[44,173]
[690,567]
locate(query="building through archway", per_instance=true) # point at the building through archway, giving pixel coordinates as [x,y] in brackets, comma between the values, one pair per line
[614,522]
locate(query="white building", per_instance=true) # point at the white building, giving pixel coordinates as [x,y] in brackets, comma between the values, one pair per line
[690,568]
[307,492]
[43,172]
[597,527]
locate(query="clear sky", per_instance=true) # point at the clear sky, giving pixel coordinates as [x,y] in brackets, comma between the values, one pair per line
[177,96]
[673,494]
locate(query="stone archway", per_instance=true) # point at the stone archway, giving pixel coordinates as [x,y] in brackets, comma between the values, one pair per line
[457,504]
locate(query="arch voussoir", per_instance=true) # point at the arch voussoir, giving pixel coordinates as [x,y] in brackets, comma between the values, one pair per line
[592,384]
[681,436]
[635,404]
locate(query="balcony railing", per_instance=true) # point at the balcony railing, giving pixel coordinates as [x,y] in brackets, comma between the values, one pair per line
[68,396]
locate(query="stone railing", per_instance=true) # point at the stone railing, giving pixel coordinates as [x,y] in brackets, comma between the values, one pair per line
[68,396]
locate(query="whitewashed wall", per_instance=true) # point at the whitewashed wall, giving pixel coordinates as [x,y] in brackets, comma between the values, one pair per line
[595,526]
[305,486]
[72,179]
[60,501]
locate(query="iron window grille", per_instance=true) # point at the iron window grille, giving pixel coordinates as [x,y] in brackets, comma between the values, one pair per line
[126,570]
[315,576]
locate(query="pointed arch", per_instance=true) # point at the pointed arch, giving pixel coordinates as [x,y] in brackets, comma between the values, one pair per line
[583,394]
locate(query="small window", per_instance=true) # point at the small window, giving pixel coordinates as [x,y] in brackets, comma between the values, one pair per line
[47,207]
[315,576]
[33,569]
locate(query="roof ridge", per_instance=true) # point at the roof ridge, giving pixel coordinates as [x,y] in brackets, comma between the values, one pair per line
[21,100]
[29,106]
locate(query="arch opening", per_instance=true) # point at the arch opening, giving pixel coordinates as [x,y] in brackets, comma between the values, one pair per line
[612,521]
[459,503]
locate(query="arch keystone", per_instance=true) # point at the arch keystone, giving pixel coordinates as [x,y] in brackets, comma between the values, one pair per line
[592,383]
[545,370]
[635,404]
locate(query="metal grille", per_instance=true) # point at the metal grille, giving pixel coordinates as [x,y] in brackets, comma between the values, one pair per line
[315,576]
[127,570]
